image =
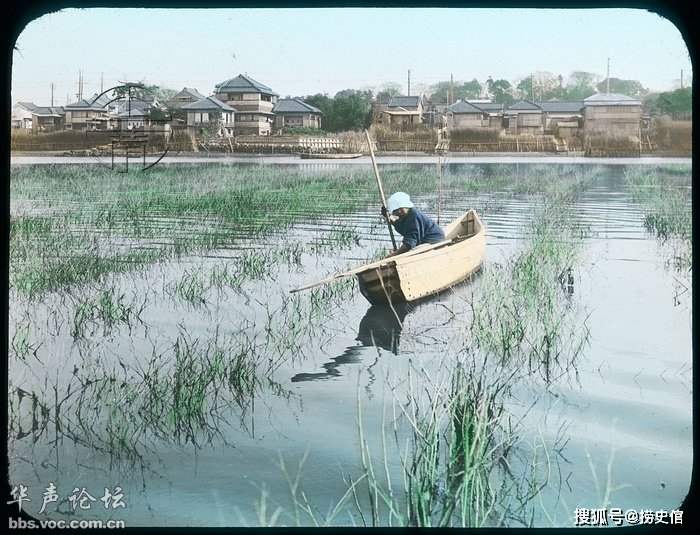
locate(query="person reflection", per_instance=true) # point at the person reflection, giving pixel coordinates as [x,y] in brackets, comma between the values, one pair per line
[380,327]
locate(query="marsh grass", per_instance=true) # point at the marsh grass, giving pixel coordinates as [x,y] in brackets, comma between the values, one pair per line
[664,193]
[108,309]
[522,310]
[22,345]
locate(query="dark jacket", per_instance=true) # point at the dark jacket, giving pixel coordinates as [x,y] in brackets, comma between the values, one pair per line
[417,228]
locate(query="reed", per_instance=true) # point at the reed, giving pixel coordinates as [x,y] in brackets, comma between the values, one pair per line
[664,194]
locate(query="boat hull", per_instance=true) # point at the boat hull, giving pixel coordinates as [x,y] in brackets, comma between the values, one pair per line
[328,156]
[427,270]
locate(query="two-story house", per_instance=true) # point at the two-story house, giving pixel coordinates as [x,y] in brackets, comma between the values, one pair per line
[211,114]
[252,101]
[88,114]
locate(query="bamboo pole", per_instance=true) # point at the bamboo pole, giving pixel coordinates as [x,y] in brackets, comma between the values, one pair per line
[381,189]
[439,189]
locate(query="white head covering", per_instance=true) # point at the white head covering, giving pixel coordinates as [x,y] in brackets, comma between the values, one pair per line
[398,200]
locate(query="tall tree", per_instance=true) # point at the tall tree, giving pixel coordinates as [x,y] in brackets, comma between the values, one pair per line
[440,92]
[580,85]
[631,88]
[349,109]
[388,90]
[500,91]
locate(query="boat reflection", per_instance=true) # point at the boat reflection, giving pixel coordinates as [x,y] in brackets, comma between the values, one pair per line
[380,327]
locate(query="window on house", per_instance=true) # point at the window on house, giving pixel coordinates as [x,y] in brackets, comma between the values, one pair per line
[266,98]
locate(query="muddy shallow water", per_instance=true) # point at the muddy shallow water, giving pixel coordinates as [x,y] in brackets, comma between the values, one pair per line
[626,405]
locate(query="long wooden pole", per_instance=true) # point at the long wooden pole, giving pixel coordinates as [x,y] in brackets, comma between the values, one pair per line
[381,189]
[439,188]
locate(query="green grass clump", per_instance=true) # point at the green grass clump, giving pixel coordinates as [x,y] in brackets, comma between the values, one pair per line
[664,193]
[108,309]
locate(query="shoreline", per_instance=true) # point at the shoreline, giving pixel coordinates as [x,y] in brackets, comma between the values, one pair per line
[385,158]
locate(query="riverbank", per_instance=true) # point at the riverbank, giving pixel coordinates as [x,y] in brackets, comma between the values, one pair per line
[382,158]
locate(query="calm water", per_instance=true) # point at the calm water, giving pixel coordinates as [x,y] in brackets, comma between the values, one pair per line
[630,406]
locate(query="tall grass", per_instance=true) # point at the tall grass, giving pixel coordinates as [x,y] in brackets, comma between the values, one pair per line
[664,193]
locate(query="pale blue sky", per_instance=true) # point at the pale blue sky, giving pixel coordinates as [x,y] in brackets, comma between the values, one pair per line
[306,51]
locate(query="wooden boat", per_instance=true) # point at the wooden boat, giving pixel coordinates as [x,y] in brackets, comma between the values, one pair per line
[328,156]
[429,268]
[424,270]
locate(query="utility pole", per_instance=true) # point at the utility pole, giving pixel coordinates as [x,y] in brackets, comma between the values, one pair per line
[52,94]
[607,85]
[102,82]
[409,83]
[450,100]
[681,78]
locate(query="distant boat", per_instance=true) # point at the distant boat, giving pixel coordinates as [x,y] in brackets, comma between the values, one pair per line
[424,270]
[328,156]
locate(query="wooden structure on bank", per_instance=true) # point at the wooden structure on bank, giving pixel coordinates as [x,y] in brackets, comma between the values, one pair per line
[424,270]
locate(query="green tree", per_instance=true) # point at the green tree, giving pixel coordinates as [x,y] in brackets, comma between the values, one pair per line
[580,85]
[526,88]
[631,88]
[388,90]
[670,102]
[501,91]
[144,92]
[352,110]
[461,90]
[349,109]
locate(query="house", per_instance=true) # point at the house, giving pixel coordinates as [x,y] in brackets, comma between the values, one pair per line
[474,114]
[38,118]
[562,118]
[494,110]
[612,114]
[134,113]
[130,119]
[523,117]
[294,112]
[462,114]
[402,111]
[174,105]
[89,114]
[210,113]
[187,95]
[252,101]
[21,116]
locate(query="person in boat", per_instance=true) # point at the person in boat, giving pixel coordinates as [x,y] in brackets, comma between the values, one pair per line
[415,227]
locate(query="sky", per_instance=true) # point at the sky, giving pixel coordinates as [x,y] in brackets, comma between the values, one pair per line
[306,51]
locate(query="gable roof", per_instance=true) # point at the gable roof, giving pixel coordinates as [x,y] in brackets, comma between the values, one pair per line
[294,105]
[208,104]
[611,99]
[243,83]
[464,107]
[188,92]
[42,111]
[404,102]
[561,106]
[524,105]
[488,106]
[91,103]
[135,112]
[123,105]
